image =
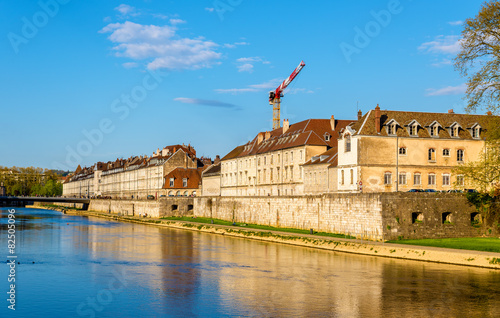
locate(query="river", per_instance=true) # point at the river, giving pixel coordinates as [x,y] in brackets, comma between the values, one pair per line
[76,266]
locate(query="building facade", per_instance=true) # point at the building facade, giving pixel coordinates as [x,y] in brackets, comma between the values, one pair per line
[271,164]
[136,177]
[387,151]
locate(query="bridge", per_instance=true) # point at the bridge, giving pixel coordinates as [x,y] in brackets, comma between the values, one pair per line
[25,200]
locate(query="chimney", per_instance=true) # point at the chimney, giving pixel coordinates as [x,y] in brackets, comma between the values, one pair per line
[260,137]
[217,159]
[360,114]
[377,119]
[286,125]
[332,122]
[450,111]
[268,135]
[489,113]
[175,149]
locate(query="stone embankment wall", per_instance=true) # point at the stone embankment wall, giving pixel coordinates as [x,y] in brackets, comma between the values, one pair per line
[68,205]
[375,216]
[353,214]
[168,206]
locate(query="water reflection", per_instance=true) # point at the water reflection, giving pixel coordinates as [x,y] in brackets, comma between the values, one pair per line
[183,273]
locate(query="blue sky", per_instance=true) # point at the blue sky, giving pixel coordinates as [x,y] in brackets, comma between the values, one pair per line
[88,81]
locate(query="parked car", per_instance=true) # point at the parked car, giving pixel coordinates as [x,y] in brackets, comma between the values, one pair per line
[162,196]
[470,190]
[415,190]
[151,197]
[430,190]
[455,191]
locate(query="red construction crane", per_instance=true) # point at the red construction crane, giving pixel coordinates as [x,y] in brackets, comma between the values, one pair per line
[275,96]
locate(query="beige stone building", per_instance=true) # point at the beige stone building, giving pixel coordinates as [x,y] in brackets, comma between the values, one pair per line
[271,164]
[211,177]
[389,151]
[135,177]
[320,173]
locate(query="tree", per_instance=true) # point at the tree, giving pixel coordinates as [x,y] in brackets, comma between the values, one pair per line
[479,58]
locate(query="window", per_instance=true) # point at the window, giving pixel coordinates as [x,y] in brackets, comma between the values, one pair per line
[446,179]
[278,158]
[286,157]
[342,176]
[258,162]
[402,178]
[391,129]
[271,175]
[291,172]
[352,176]
[264,176]
[454,131]
[301,155]
[272,159]
[291,156]
[413,130]
[265,161]
[460,155]
[460,180]
[171,182]
[347,143]
[446,152]
[475,132]
[433,130]
[278,174]
[387,178]
[402,151]
[416,179]
[431,179]
[432,154]
[327,137]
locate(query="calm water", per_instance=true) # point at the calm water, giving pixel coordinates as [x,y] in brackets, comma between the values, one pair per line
[93,267]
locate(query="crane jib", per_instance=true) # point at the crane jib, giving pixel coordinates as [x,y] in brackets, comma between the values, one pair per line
[287,82]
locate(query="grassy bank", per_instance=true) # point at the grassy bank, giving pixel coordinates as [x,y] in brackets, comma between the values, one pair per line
[485,244]
[253,226]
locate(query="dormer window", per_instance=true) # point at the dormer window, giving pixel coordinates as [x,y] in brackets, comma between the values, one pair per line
[476,132]
[434,129]
[327,136]
[454,131]
[391,127]
[413,130]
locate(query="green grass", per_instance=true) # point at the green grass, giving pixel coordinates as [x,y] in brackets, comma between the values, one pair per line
[485,244]
[252,226]
[60,206]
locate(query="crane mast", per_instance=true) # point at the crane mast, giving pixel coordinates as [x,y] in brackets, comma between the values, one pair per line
[275,96]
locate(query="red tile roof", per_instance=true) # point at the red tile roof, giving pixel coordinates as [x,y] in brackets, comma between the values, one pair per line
[307,132]
[193,178]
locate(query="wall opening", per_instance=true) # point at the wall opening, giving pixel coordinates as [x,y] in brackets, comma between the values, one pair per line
[417,217]
[190,207]
[476,219]
[446,218]
[174,207]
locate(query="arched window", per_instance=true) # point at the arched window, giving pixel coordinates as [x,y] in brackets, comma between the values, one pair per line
[347,143]
[432,154]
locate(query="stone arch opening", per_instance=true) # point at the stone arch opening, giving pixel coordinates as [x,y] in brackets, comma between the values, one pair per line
[446,218]
[476,219]
[190,207]
[175,207]
[417,217]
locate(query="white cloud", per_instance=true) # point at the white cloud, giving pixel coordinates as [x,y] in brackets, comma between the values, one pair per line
[232,46]
[442,44]
[130,65]
[449,90]
[247,67]
[210,9]
[126,10]
[161,45]
[455,23]
[176,21]
[271,84]
[442,63]
[246,64]
[205,102]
